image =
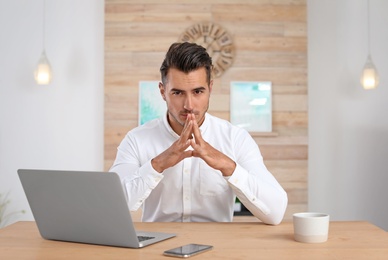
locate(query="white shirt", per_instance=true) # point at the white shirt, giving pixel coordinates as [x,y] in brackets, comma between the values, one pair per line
[191,190]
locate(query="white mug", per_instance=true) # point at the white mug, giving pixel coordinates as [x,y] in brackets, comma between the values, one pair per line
[310,227]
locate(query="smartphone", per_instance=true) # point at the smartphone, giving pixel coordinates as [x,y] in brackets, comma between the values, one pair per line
[187,250]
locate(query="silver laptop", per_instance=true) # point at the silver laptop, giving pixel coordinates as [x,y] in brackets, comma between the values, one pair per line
[84,207]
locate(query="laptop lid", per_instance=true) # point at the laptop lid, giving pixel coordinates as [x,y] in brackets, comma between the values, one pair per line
[84,207]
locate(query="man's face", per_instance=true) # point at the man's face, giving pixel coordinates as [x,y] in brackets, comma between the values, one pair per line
[184,94]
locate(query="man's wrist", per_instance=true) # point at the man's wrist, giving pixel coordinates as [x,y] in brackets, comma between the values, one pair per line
[229,169]
[156,166]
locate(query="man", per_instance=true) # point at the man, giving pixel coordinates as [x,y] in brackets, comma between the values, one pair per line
[190,165]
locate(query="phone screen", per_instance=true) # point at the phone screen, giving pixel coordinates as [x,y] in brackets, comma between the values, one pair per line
[187,250]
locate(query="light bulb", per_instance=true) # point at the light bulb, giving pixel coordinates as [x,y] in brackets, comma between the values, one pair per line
[369,76]
[43,72]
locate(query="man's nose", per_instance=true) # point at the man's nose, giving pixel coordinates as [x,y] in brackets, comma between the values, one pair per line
[188,103]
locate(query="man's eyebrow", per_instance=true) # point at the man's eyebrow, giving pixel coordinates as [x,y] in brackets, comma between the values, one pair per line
[176,89]
[199,88]
[181,90]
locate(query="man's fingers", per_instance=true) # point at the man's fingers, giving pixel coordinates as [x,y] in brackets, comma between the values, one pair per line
[187,154]
[186,132]
[196,132]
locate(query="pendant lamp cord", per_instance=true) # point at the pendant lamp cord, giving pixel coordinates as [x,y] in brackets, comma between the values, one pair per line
[43,25]
[368,28]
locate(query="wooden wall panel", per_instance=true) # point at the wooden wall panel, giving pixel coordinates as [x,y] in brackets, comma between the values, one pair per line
[271,45]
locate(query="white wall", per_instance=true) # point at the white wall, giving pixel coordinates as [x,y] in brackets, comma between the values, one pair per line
[59,126]
[348,126]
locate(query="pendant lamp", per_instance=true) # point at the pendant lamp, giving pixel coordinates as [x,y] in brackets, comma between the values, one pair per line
[369,76]
[43,72]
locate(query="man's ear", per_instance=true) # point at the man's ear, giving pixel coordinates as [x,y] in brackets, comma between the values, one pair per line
[211,86]
[162,91]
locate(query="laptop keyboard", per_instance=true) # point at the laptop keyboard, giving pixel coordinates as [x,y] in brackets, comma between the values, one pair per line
[143,238]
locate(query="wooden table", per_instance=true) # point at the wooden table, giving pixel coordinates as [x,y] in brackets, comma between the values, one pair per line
[347,240]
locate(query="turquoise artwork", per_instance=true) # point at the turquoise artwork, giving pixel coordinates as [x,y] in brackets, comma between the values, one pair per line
[151,103]
[251,105]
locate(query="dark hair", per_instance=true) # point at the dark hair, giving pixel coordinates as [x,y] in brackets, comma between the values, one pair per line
[186,57]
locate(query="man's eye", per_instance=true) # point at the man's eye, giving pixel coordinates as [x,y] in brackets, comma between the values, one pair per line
[198,91]
[176,92]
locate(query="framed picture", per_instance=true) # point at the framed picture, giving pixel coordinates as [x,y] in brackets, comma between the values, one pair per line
[151,103]
[251,105]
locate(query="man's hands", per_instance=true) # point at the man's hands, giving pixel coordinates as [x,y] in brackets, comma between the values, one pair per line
[191,136]
[209,154]
[176,152]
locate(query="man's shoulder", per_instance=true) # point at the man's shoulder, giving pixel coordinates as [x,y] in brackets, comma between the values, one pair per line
[225,126]
[220,122]
[147,128]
